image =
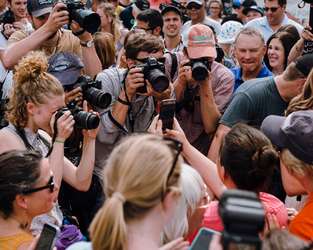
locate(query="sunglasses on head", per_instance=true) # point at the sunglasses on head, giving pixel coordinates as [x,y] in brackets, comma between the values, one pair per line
[193,6]
[145,60]
[50,186]
[272,9]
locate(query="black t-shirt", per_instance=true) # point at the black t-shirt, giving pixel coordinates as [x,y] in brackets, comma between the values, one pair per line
[253,101]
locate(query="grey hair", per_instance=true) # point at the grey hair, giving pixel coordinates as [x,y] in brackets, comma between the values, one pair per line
[249,31]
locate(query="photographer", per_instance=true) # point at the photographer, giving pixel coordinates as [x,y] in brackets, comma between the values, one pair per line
[133,106]
[49,36]
[32,113]
[203,87]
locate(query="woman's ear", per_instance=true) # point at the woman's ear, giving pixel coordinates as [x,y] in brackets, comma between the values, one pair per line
[30,107]
[21,201]
[169,202]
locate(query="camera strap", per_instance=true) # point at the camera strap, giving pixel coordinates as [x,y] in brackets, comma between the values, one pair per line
[115,122]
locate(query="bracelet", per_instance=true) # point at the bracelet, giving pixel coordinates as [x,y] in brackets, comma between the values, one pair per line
[59,141]
[123,102]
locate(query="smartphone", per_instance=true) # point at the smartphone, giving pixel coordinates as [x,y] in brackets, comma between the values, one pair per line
[167,113]
[47,238]
[203,239]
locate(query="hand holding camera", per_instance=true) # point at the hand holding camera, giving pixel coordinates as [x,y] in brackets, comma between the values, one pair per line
[64,124]
[133,81]
[58,18]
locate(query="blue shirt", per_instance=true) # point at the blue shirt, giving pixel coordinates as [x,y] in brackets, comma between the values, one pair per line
[263,26]
[264,72]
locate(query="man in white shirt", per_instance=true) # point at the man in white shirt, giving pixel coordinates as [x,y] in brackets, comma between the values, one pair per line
[274,18]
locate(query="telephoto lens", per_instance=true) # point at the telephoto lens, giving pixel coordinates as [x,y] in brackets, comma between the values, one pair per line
[86,120]
[97,97]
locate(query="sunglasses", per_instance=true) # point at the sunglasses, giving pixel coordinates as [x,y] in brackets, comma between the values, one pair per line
[272,9]
[193,6]
[50,186]
[177,146]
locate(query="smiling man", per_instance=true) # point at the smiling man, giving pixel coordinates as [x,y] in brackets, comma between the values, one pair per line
[249,51]
[274,18]
[172,24]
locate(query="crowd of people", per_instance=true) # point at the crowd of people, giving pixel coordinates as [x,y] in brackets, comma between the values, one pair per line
[88,147]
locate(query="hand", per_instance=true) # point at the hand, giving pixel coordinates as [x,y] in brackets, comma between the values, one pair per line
[177,133]
[306,34]
[178,244]
[89,133]
[184,72]
[75,27]
[166,94]
[58,17]
[19,25]
[271,223]
[134,80]
[292,213]
[74,95]
[8,30]
[65,125]
[156,126]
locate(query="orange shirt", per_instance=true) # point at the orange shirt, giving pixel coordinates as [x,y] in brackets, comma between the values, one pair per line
[302,224]
[13,242]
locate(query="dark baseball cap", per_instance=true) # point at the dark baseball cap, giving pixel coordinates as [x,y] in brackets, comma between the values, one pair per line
[168,8]
[253,8]
[66,67]
[142,4]
[304,64]
[39,7]
[294,132]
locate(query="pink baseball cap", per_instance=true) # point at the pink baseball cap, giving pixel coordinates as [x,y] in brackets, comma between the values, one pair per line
[199,41]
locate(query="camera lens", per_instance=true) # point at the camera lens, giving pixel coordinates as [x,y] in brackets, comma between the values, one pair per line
[97,97]
[158,80]
[199,71]
[87,19]
[86,120]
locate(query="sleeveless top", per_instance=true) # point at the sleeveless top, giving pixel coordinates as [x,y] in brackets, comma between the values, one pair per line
[13,242]
[55,216]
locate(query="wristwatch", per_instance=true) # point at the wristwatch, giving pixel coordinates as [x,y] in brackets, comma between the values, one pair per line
[87,44]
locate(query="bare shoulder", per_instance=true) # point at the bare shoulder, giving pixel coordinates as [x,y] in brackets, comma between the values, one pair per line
[9,141]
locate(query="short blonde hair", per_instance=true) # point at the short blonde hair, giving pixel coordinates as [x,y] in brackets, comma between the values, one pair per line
[139,170]
[294,165]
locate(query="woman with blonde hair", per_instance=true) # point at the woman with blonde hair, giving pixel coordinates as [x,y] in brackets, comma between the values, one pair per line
[141,183]
[110,22]
[105,48]
[35,99]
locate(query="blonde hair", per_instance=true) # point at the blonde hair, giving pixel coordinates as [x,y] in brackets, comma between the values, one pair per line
[32,83]
[105,48]
[294,165]
[137,176]
[108,9]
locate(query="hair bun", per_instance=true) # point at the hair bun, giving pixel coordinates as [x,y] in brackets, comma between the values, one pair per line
[265,159]
[30,67]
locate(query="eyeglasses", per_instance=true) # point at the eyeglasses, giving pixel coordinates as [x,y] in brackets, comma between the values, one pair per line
[193,6]
[49,186]
[272,9]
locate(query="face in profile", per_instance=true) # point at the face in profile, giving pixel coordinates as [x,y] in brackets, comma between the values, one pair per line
[41,201]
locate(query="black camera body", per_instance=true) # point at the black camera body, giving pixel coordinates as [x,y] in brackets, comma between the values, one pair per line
[154,72]
[243,217]
[92,92]
[83,119]
[200,68]
[8,17]
[87,19]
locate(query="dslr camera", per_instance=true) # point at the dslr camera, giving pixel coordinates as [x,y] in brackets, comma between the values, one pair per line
[83,119]
[200,68]
[243,217]
[87,19]
[92,92]
[154,72]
